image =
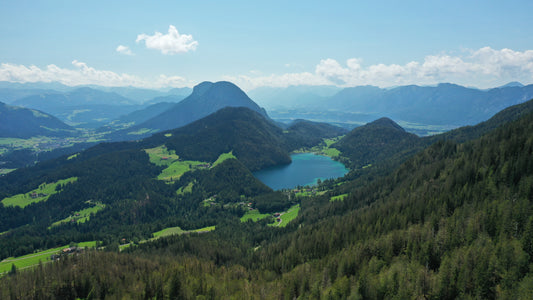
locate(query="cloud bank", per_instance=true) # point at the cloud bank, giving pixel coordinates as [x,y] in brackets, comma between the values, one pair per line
[171,43]
[82,74]
[482,68]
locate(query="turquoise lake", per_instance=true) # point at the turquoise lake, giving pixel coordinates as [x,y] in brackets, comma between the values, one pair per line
[305,169]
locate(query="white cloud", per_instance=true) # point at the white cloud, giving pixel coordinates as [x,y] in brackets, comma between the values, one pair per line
[171,43]
[83,74]
[485,67]
[124,50]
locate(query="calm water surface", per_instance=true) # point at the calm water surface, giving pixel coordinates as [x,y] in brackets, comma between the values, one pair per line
[305,169]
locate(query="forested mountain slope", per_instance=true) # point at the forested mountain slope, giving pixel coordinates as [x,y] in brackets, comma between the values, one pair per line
[144,185]
[453,221]
[375,142]
[254,140]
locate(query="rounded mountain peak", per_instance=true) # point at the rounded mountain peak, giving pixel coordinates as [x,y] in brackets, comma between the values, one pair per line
[386,122]
[220,87]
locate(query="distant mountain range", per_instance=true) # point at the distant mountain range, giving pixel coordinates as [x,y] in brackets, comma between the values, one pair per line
[20,122]
[420,109]
[84,107]
[444,104]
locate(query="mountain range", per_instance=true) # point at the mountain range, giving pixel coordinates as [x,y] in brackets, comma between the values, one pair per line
[444,104]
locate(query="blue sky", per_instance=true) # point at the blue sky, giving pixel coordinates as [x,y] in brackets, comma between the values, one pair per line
[267,43]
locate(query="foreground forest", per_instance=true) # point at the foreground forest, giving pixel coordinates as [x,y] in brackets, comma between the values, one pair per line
[453,221]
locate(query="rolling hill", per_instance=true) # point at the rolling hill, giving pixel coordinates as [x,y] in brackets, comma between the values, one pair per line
[376,142]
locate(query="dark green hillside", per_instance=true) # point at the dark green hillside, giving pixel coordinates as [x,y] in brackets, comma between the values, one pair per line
[471,132]
[19,122]
[454,221]
[229,181]
[254,140]
[376,142]
[121,177]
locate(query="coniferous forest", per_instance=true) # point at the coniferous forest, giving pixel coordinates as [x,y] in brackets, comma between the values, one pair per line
[454,219]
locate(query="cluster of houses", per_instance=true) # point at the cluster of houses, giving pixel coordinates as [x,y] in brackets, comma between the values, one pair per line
[37,195]
[278,217]
[311,191]
[67,251]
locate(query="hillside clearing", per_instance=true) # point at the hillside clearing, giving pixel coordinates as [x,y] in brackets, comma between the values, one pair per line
[42,193]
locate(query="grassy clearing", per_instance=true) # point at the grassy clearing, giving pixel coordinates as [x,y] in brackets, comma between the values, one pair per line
[42,193]
[223,157]
[177,230]
[73,156]
[161,156]
[81,216]
[204,229]
[168,231]
[324,149]
[141,131]
[5,171]
[254,215]
[33,259]
[338,198]
[289,215]
[178,168]
[185,189]
[331,152]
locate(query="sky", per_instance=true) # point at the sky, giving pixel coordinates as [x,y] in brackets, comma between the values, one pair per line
[160,44]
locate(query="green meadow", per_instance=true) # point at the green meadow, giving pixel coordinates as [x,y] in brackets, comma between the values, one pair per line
[254,215]
[223,157]
[33,259]
[81,216]
[43,192]
[338,198]
[288,216]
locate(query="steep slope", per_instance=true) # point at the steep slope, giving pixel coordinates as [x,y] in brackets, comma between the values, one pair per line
[466,133]
[19,122]
[206,98]
[375,142]
[254,140]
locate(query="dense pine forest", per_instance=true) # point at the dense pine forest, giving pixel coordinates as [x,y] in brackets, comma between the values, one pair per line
[450,220]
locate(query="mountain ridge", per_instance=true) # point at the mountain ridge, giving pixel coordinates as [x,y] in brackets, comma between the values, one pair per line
[20,122]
